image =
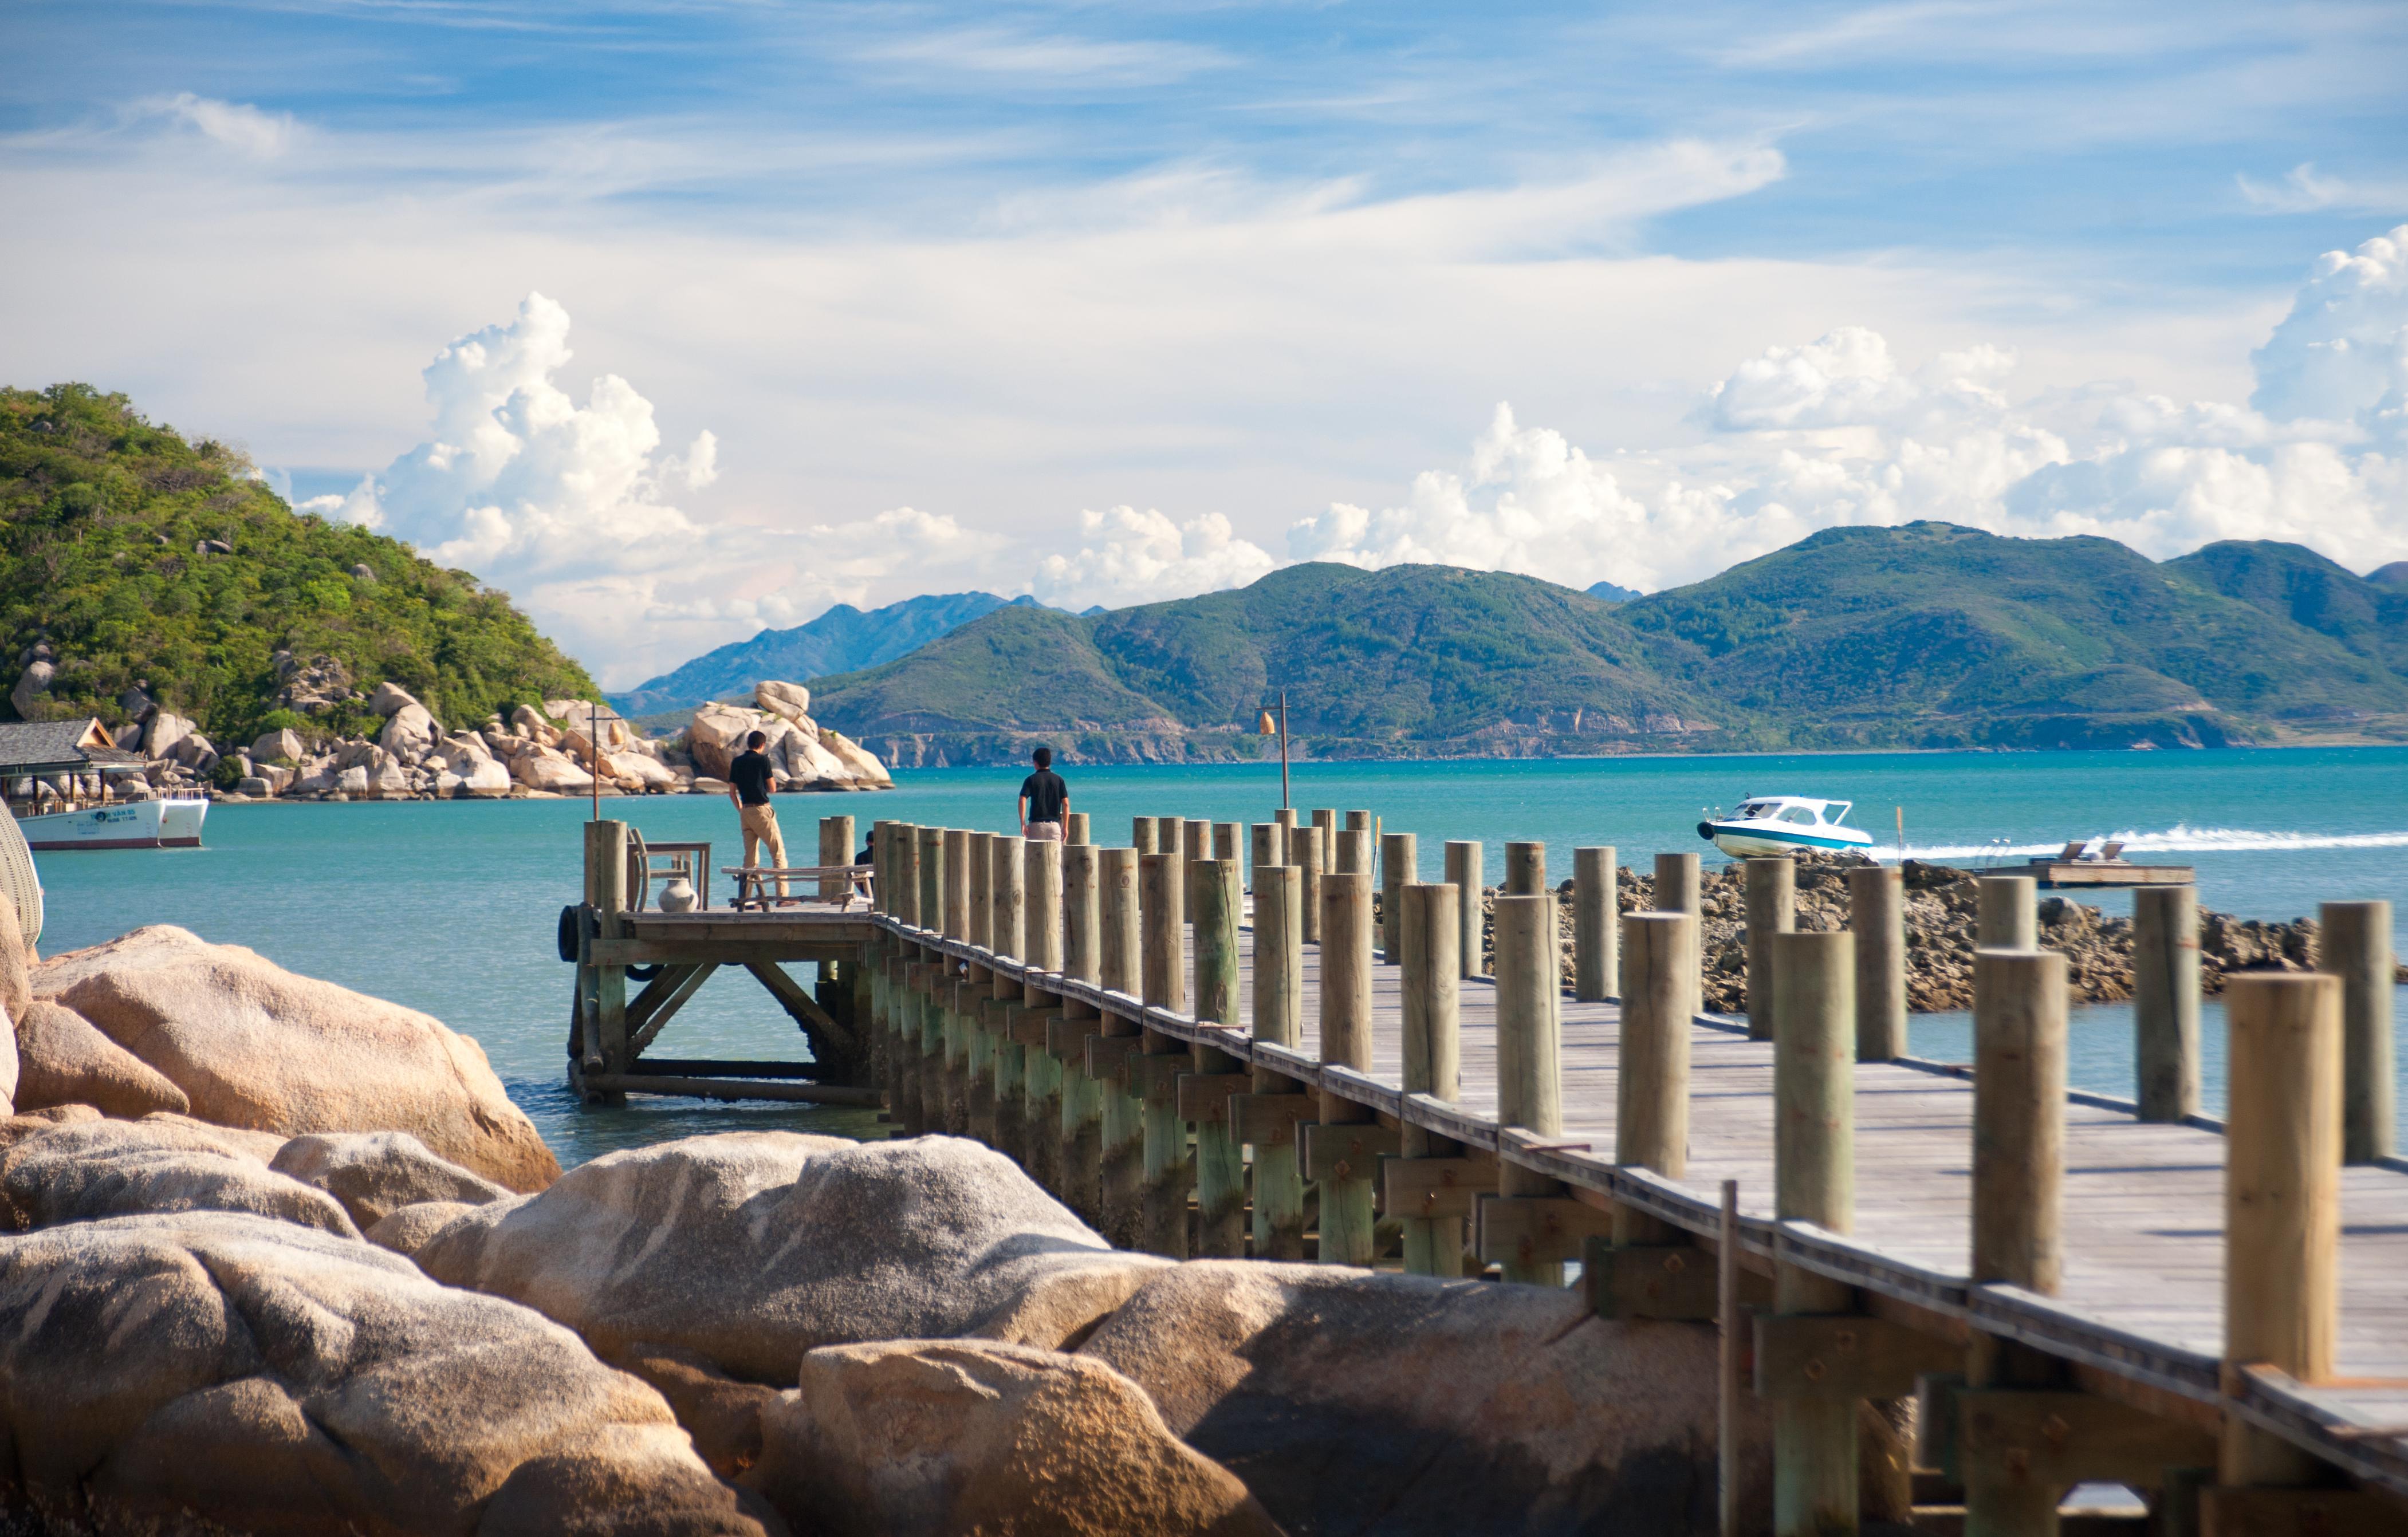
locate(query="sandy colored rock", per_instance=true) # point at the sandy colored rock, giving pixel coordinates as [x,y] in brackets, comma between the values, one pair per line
[376,1174]
[16,982]
[92,1170]
[790,700]
[548,768]
[62,1059]
[252,1044]
[406,1229]
[751,1247]
[918,1438]
[486,781]
[285,742]
[1353,1402]
[717,734]
[262,1146]
[860,761]
[287,1380]
[390,699]
[411,734]
[723,1414]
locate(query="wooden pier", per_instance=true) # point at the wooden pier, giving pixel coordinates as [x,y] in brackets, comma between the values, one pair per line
[2077,1289]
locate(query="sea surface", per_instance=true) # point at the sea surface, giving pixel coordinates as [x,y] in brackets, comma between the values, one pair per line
[451,906]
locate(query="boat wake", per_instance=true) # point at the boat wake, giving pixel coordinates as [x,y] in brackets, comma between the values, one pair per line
[2180,838]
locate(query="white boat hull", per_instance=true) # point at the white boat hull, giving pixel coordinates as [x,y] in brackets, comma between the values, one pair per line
[1756,840]
[133,824]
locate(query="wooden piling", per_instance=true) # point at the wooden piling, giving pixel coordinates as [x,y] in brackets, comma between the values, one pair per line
[956,869]
[1170,1174]
[1463,873]
[980,849]
[1525,869]
[1659,998]
[933,885]
[1346,1221]
[1355,852]
[1083,1096]
[1268,847]
[606,883]
[1772,909]
[1007,894]
[1308,849]
[1219,1157]
[1141,835]
[2281,1200]
[2006,912]
[1877,916]
[1814,1052]
[1429,930]
[1121,1180]
[1529,1077]
[1361,821]
[1279,1018]
[1074,828]
[2356,947]
[1597,938]
[1170,837]
[1400,865]
[1038,1070]
[996,1094]
[2165,1001]
[903,889]
[1225,846]
[1677,878]
[835,847]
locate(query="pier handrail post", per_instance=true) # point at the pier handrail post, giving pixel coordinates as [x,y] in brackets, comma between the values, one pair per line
[1529,1076]
[2006,912]
[1354,853]
[1660,999]
[1169,1176]
[1429,930]
[1122,1179]
[835,847]
[1308,849]
[1362,822]
[1141,835]
[1346,1220]
[1226,848]
[1597,937]
[2019,1044]
[981,851]
[2165,1001]
[1525,869]
[1008,904]
[1814,1175]
[606,883]
[933,886]
[1279,1020]
[1194,847]
[1771,896]
[1877,916]
[1082,1095]
[1170,836]
[1400,866]
[1074,828]
[1463,873]
[1029,1081]
[956,869]
[1266,846]
[1676,884]
[905,872]
[2357,947]
[2282,1202]
[1219,1157]
[995,1072]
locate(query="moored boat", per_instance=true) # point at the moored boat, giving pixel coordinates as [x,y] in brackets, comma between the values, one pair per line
[166,822]
[1774,825]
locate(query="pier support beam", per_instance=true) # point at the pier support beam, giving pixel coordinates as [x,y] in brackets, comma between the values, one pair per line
[1346,1220]
[1772,909]
[1429,930]
[1279,1020]
[1123,1120]
[1170,1174]
[1596,936]
[1652,1097]
[1219,1157]
[1463,873]
[2357,947]
[1814,1090]
[2165,1001]
[835,847]
[1530,1075]
[1877,916]
[605,889]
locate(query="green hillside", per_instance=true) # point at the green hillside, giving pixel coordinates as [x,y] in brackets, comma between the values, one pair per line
[1928,636]
[101,513]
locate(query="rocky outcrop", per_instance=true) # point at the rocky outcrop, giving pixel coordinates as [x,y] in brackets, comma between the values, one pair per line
[376,1174]
[406,1229]
[283,1379]
[1359,1402]
[252,1044]
[946,1439]
[749,1248]
[62,1059]
[88,1170]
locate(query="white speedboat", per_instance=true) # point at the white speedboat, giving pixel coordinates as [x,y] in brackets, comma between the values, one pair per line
[167,823]
[1774,825]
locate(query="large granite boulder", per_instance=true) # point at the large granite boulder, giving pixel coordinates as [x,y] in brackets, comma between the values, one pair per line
[16,963]
[918,1438]
[275,1379]
[550,769]
[376,1174]
[283,743]
[88,1170]
[791,701]
[411,735]
[717,734]
[62,1060]
[1355,1403]
[486,780]
[251,1044]
[859,760]
[751,1247]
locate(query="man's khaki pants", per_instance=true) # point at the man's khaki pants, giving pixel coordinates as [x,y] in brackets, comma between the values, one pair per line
[760,828]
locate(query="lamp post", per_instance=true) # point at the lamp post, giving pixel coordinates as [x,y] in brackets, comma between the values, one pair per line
[1268,727]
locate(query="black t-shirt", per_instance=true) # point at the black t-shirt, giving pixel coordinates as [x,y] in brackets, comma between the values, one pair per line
[749,774]
[1046,795]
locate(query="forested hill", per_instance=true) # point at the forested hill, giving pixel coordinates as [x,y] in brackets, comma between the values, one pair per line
[136,556]
[1928,636]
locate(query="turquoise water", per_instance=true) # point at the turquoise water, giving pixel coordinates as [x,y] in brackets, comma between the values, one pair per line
[450,907]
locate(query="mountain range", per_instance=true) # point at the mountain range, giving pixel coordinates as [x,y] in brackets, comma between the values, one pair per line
[1925,635]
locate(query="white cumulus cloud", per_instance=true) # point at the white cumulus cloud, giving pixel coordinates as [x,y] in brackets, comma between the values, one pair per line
[1126,557]
[237,125]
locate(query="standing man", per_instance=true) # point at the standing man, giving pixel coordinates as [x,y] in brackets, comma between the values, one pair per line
[749,780]
[1044,800]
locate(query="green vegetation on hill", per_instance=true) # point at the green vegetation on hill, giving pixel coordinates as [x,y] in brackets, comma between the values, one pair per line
[1928,636]
[101,513]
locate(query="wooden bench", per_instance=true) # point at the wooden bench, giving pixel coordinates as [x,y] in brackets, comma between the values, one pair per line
[752,883]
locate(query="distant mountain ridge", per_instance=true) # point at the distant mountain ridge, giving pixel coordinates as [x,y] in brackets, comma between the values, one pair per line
[843,640]
[1925,635]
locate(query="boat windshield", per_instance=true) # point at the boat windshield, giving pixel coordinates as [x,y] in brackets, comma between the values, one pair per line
[1798,813]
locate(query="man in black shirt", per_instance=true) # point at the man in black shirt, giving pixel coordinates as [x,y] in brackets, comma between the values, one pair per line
[1044,800]
[749,782]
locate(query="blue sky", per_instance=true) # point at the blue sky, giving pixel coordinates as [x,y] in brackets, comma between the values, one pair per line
[1016,296]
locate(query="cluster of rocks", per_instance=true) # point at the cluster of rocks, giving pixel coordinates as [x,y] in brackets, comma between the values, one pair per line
[1940,902]
[368,1301]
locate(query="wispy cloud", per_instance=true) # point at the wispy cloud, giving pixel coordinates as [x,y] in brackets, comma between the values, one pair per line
[1039,58]
[2305,190]
[237,125]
